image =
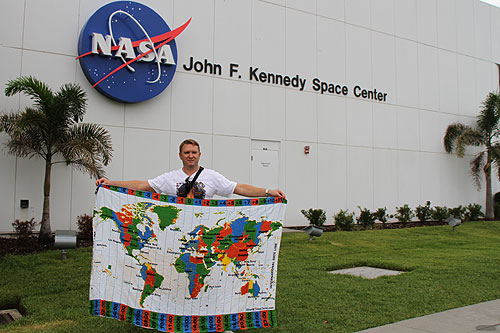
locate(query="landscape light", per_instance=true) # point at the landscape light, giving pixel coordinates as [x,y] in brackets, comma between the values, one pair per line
[313,231]
[65,239]
[454,222]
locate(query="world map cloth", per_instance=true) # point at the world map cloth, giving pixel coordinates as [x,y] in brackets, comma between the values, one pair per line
[185,265]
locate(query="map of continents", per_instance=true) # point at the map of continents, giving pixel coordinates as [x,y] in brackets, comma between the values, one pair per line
[228,242]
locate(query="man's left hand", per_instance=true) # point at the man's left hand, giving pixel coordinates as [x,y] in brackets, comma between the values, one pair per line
[276,193]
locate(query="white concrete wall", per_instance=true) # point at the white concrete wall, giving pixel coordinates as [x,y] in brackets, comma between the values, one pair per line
[435,59]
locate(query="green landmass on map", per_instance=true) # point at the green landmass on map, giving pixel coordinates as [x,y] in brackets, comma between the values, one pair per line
[128,220]
[152,281]
[167,215]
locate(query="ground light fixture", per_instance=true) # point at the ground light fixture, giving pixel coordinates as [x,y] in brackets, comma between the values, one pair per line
[454,222]
[65,239]
[313,230]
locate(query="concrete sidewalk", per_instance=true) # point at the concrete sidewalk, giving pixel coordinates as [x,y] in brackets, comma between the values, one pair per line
[482,317]
[285,229]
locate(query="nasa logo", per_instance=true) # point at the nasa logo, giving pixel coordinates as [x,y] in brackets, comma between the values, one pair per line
[128,52]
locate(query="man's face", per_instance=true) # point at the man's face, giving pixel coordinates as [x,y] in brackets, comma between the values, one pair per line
[190,155]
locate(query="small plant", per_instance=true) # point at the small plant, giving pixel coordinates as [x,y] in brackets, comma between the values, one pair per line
[344,220]
[316,217]
[85,230]
[381,215]
[23,230]
[440,213]
[424,213]
[496,208]
[404,214]
[365,218]
[458,212]
[474,212]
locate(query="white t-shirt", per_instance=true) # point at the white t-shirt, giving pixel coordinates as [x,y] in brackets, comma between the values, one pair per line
[208,184]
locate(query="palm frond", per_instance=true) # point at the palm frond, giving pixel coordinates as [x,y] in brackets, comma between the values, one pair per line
[8,122]
[469,137]
[94,170]
[476,167]
[452,133]
[74,99]
[27,137]
[87,147]
[495,157]
[31,119]
[26,146]
[489,115]
[38,91]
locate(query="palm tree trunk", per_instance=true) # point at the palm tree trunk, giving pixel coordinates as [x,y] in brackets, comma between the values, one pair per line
[489,214]
[45,231]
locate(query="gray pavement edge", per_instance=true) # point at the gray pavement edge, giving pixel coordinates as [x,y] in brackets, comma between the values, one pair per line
[482,317]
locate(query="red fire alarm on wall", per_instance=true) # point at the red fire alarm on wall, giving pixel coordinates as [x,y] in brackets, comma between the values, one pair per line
[306,150]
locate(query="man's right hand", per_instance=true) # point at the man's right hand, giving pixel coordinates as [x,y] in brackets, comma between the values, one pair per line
[141,185]
[101,181]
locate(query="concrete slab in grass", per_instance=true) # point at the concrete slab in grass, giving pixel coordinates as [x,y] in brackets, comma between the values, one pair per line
[366,272]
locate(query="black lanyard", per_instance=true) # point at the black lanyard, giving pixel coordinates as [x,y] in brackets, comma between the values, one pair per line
[190,184]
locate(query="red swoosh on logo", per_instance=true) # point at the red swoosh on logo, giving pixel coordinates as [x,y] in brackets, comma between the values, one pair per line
[166,37]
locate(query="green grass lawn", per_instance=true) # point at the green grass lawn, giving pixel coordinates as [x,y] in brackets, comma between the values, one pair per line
[445,270]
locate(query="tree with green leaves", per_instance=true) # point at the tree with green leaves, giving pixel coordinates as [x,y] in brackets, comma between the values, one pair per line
[486,133]
[51,129]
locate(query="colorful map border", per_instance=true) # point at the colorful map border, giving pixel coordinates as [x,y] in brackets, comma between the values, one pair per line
[192,324]
[195,202]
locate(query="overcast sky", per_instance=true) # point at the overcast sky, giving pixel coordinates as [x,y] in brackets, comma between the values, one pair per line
[493,2]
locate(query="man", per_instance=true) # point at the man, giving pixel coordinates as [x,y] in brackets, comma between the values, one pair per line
[201,184]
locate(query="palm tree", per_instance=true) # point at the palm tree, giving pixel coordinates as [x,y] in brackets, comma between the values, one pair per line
[486,134]
[52,130]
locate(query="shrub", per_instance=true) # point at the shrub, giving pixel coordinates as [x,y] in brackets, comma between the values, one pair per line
[380,214]
[496,209]
[473,212]
[458,212]
[316,217]
[365,218]
[344,220]
[24,229]
[85,230]
[404,214]
[440,213]
[424,213]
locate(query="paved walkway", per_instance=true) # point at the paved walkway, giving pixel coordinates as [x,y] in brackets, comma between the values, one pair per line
[482,317]
[291,230]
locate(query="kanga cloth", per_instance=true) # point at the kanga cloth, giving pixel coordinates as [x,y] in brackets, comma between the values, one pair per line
[185,265]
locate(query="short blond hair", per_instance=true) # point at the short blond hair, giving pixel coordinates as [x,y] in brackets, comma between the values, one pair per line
[189,142]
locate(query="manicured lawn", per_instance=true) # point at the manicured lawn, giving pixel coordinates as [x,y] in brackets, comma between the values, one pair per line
[445,270]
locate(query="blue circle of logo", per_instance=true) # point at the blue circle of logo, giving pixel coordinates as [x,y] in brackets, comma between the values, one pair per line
[128,52]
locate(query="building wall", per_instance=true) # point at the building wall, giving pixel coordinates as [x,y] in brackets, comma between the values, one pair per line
[435,59]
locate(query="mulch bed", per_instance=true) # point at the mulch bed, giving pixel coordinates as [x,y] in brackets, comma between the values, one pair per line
[10,245]
[379,226]
[27,246]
